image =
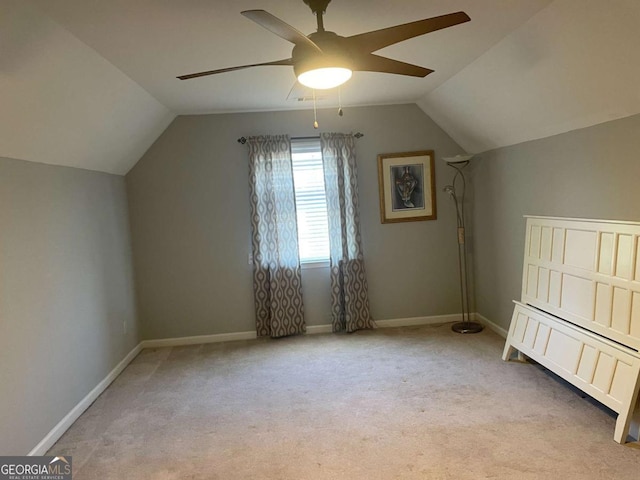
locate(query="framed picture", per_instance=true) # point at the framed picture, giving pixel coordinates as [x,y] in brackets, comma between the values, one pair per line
[407,186]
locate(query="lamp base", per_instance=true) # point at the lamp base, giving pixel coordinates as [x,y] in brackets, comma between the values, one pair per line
[467,327]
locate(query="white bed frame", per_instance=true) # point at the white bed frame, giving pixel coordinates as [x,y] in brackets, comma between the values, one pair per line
[579,315]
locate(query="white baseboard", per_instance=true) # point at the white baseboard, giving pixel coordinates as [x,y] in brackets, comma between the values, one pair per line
[63,425]
[413,321]
[313,329]
[310,330]
[394,322]
[491,325]
[198,339]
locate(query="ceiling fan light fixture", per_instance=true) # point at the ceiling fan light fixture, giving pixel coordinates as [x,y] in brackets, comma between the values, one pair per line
[325,77]
[324,59]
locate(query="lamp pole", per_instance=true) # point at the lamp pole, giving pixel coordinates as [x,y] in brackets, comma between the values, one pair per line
[458,163]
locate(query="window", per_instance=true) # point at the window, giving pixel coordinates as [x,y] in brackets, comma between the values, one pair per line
[311,205]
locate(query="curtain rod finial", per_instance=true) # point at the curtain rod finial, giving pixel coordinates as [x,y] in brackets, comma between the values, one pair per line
[242,140]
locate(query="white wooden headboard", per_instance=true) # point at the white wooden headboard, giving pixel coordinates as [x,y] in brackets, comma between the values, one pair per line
[587,273]
[579,313]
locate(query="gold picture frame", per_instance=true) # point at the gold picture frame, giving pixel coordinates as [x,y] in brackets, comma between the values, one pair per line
[407,186]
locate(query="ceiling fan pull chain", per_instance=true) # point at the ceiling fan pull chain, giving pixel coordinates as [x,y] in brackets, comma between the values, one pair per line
[340,112]
[315,112]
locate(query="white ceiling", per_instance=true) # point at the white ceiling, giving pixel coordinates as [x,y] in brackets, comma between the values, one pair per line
[574,64]
[91,83]
[153,41]
[63,104]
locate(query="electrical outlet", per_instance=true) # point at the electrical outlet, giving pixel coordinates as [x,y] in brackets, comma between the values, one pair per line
[250,259]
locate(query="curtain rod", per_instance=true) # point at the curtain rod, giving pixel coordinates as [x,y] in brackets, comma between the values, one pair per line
[243,140]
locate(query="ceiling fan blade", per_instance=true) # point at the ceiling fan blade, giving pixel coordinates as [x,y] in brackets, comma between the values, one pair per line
[280,28]
[375,63]
[377,39]
[287,62]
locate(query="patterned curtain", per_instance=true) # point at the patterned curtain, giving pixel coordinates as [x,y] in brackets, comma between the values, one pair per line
[349,295]
[277,286]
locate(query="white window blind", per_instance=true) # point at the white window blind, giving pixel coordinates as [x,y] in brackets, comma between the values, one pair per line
[311,205]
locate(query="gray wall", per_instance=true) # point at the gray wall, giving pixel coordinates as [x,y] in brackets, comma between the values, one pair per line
[66,288]
[590,173]
[188,199]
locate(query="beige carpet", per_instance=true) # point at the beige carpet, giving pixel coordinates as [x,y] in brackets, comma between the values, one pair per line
[402,403]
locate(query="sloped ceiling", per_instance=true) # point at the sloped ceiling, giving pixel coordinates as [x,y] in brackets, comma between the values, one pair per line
[574,64]
[91,84]
[64,104]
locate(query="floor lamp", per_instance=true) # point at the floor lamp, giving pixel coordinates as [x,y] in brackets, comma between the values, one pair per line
[457,194]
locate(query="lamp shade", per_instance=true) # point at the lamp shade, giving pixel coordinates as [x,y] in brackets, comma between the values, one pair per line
[457,159]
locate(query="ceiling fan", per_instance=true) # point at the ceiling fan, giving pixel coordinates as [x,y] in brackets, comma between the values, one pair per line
[325,59]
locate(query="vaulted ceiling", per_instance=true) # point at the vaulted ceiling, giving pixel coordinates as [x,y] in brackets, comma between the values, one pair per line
[574,64]
[92,84]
